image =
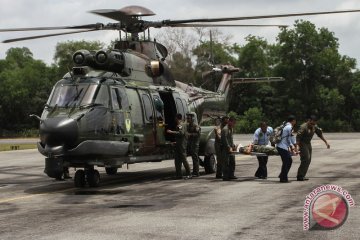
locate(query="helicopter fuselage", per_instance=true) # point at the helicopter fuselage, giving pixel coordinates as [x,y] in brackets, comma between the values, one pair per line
[104,120]
[114,108]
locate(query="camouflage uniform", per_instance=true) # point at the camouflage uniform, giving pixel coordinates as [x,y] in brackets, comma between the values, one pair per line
[217,145]
[268,150]
[193,133]
[303,138]
[180,150]
[227,143]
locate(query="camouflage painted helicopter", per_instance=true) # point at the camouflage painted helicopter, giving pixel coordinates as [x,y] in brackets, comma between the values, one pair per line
[114,106]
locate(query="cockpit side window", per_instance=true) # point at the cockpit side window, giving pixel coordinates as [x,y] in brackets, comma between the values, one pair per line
[102,97]
[116,99]
[124,98]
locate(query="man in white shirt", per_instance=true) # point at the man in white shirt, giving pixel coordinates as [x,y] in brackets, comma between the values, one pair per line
[287,147]
[262,137]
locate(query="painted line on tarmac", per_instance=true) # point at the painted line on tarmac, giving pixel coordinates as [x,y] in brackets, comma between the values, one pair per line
[6,200]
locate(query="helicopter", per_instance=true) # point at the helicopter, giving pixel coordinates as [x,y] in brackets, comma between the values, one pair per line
[113,108]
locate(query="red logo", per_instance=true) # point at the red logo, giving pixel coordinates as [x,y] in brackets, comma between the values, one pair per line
[330,210]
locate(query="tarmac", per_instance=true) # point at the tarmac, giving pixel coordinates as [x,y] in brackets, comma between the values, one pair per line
[145,202]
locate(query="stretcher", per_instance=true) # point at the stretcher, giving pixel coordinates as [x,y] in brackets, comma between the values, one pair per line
[257,150]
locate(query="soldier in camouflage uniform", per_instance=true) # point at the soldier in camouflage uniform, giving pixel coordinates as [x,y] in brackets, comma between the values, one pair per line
[268,150]
[193,137]
[180,147]
[228,149]
[217,145]
[303,139]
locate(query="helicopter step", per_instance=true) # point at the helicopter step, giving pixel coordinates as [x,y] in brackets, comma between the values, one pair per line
[54,167]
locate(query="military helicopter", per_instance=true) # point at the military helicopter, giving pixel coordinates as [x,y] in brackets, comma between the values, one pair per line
[114,106]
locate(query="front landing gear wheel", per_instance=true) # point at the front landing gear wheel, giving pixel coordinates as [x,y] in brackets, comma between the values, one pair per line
[79,178]
[93,177]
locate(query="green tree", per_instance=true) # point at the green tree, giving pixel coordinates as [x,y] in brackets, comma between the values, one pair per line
[255,59]
[25,84]
[250,120]
[181,67]
[314,71]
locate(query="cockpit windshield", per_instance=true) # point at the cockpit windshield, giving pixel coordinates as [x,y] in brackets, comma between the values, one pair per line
[73,95]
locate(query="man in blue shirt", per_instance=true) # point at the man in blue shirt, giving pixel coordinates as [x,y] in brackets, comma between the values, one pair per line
[261,137]
[286,148]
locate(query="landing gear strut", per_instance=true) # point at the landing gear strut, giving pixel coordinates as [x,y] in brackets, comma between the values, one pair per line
[89,175]
[210,164]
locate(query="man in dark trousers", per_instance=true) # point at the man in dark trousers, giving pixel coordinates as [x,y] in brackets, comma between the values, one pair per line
[228,149]
[220,124]
[180,147]
[193,138]
[262,137]
[303,139]
[287,147]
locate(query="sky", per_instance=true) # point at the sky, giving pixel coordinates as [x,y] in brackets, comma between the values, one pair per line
[44,13]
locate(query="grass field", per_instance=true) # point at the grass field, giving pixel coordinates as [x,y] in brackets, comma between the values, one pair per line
[22,146]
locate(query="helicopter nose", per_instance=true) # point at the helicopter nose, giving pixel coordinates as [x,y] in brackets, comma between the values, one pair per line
[59,131]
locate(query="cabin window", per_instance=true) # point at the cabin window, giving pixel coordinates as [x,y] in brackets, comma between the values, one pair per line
[159,108]
[180,107]
[136,111]
[185,105]
[147,107]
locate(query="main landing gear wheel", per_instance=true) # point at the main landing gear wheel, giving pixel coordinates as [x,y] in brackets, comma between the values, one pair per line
[111,170]
[93,177]
[79,178]
[210,164]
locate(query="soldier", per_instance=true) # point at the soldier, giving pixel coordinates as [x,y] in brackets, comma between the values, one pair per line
[219,160]
[228,149]
[261,137]
[287,147]
[193,136]
[180,147]
[303,139]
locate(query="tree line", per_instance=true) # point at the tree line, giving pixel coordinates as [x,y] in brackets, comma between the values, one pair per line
[318,79]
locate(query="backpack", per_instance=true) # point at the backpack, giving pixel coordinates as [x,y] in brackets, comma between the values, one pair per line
[276,137]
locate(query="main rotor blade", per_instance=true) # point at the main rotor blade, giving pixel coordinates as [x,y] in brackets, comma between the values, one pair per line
[174,22]
[44,36]
[88,26]
[225,25]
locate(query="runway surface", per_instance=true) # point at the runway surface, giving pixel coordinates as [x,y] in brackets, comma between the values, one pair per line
[145,202]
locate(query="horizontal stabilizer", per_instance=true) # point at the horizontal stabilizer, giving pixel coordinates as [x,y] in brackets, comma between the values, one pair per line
[257,80]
